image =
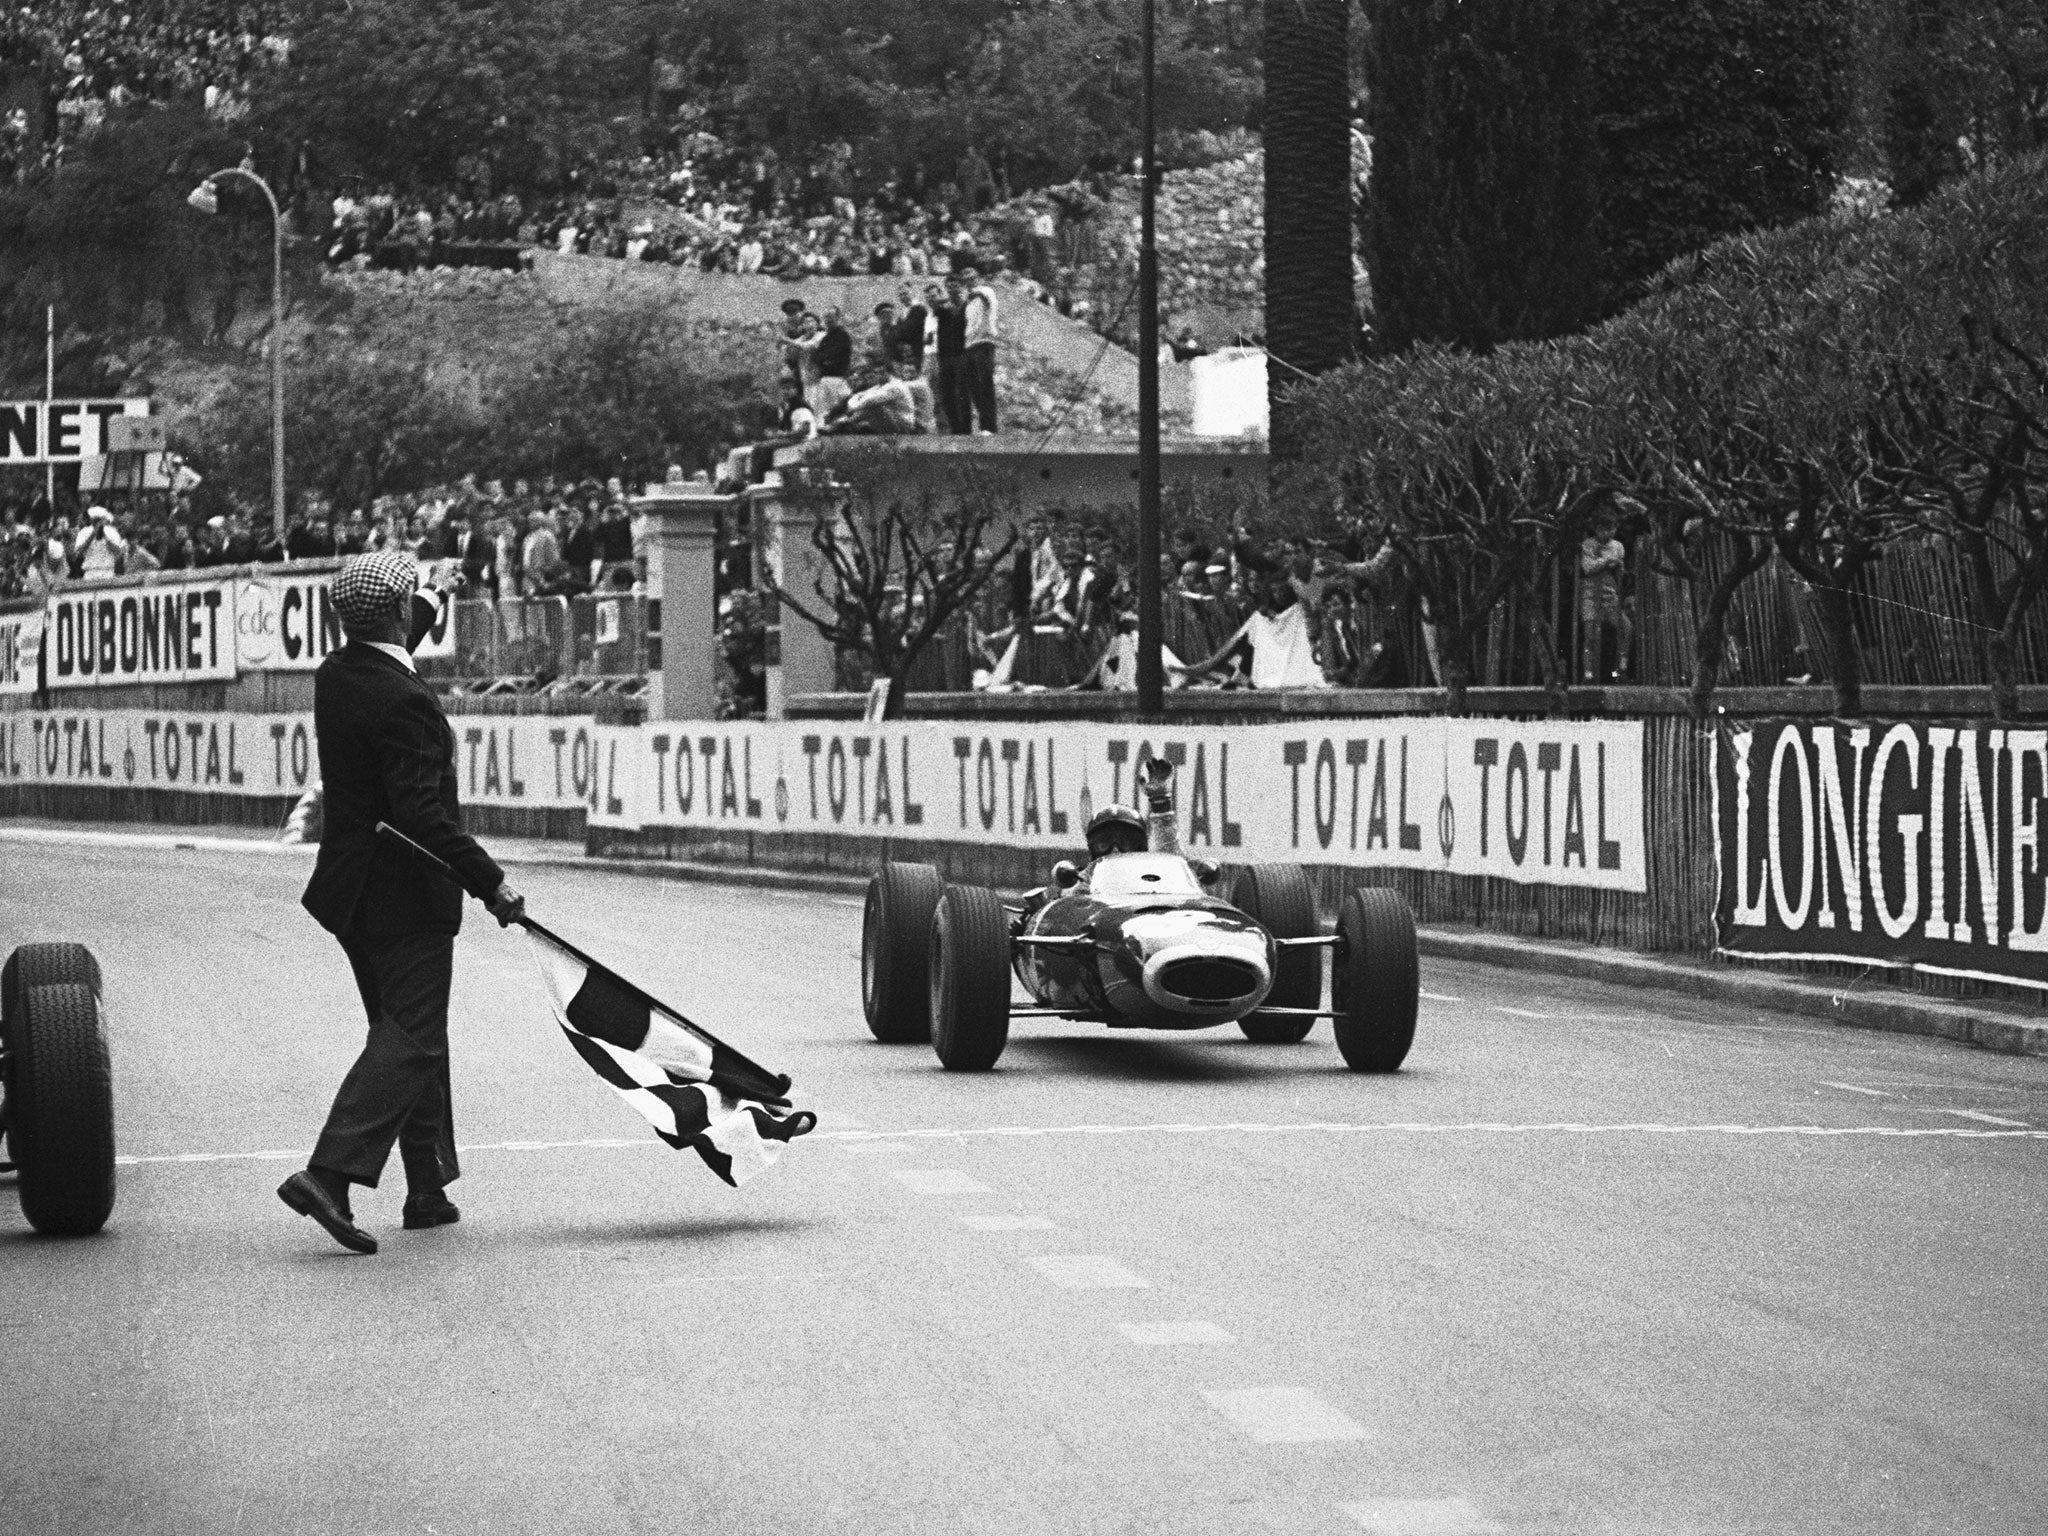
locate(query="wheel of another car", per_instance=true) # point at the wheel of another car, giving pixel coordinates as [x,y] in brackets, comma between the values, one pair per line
[60,1109]
[46,965]
[970,984]
[895,932]
[1375,977]
[1278,897]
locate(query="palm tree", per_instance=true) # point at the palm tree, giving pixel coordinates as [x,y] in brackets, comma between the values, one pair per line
[1311,326]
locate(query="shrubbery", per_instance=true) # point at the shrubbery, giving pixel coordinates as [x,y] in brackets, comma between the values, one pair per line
[1828,392]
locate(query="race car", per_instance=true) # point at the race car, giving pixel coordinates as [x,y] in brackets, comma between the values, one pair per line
[1139,940]
[57,1110]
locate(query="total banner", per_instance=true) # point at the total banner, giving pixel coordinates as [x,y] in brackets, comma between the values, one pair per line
[21,649]
[1538,802]
[1917,845]
[538,761]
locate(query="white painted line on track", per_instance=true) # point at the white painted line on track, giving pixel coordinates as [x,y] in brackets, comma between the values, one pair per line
[187,842]
[1522,1013]
[940,1181]
[1979,1115]
[1008,1224]
[855,1139]
[1192,1331]
[1087,1272]
[844,901]
[1868,1093]
[1419,1517]
[1437,997]
[1284,1415]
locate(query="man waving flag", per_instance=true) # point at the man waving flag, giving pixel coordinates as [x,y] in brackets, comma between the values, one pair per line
[695,1091]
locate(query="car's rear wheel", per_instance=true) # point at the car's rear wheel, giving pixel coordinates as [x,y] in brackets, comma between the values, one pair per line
[1278,897]
[970,978]
[46,965]
[895,935]
[1375,979]
[60,1108]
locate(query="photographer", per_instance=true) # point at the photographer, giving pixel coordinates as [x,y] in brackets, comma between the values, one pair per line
[99,551]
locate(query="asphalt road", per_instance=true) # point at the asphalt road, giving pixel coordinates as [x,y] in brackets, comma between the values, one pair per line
[1598,1261]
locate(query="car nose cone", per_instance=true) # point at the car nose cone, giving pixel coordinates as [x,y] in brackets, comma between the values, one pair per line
[1217,970]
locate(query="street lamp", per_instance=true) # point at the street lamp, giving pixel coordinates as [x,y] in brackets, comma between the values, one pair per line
[206,198]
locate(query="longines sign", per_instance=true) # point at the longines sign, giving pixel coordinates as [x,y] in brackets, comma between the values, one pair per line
[1913,845]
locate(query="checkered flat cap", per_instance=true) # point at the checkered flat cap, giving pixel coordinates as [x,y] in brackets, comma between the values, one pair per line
[370,586]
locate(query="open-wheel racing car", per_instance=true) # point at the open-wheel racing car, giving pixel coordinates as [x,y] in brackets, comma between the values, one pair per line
[1137,940]
[58,1108]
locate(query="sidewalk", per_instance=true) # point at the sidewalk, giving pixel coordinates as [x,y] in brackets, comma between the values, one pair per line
[2012,1028]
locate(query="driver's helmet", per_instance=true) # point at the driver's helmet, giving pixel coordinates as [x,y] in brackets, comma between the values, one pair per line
[1115,829]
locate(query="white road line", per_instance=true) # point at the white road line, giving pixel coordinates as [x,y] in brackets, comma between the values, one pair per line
[844,901]
[1419,1517]
[1284,1415]
[1437,997]
[1520,1013]
[940,1181]
[1086,1272]
[1192,1331]
[1008,1224]
[1868,1093]
[1979,1115]
[854,1140]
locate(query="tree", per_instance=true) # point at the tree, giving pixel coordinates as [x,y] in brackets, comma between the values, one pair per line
[1962,85]
[895,567]
[443,93]
[1311,319]
[1480,220]
[1714,117]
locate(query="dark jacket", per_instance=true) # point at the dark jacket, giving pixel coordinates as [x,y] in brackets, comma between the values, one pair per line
[387,754]
[835,352]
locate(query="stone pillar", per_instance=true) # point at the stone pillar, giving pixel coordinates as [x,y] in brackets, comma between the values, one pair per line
[800,660]
[682,564]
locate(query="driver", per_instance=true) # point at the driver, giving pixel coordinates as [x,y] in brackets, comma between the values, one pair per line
[1115,829]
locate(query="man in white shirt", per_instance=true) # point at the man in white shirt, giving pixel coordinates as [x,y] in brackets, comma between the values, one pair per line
[979,360]
[99,547]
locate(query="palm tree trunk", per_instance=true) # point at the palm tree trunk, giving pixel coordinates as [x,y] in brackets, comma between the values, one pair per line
[1311,326]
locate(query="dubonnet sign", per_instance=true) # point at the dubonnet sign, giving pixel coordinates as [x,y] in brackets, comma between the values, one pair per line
[1913,845]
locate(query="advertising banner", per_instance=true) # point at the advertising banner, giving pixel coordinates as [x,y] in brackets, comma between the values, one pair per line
[285,623]
[1538,802]
[113,636]
[60,431]
[1916,845]
[21,644]
[548,763]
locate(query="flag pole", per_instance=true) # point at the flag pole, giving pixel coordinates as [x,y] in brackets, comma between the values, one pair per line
[779,1080]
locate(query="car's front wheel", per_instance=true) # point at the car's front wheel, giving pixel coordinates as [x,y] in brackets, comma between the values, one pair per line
[970,978]
[1375,980]
[60,1108]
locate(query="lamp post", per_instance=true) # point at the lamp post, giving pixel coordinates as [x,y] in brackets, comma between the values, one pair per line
[205,197]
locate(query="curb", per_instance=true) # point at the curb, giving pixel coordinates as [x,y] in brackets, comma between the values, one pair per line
[2012,1029]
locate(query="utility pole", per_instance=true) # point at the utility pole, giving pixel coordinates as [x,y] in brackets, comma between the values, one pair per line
[1151,674]
[206,199]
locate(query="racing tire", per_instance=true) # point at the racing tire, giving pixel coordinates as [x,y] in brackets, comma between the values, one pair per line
[1278,897]
[895,952]
[970,981]
[1375,977]
[46,965]
[60,1109]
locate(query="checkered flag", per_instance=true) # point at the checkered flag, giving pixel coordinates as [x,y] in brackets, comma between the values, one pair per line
[695,1091]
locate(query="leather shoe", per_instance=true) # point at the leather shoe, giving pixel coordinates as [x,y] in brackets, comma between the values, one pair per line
[435,1210]
[302,1192]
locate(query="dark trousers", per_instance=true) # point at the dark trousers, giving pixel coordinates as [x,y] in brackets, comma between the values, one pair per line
[954,408]
[981,386]
[397,1091]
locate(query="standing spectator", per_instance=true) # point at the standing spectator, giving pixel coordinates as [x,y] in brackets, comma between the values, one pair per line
[1602,609]
[910,326]
[546,573]
[615,546]
[580,548]
[950,318]
[878,337]
[835,361]
[980,349]
[98,552]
